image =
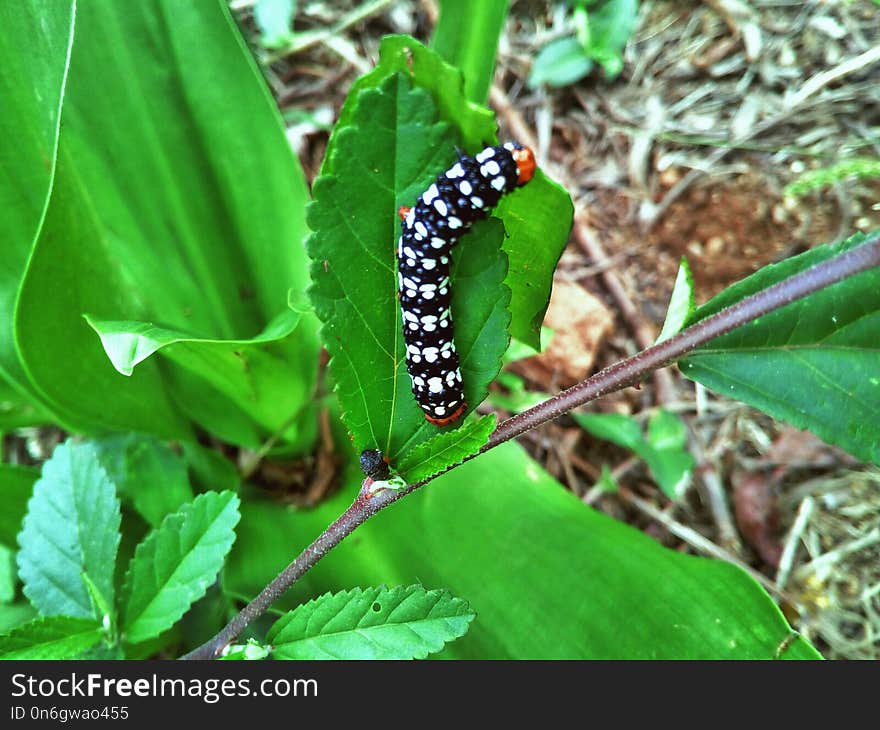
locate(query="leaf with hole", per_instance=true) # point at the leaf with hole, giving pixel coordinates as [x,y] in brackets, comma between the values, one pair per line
[404,622]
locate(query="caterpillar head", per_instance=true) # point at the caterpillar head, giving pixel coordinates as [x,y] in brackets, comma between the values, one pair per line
[525,162]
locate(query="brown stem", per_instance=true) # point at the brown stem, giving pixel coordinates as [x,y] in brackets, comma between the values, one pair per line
[618,376]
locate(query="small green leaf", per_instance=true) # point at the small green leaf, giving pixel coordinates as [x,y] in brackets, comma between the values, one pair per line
[611,26]
[176,563]
[404,622]
[71,528]
[682,303]
[663,450]
[812,363]
[53,637]
[147,472]
[516,399]
[561,62]
[614,427]
[274,19]
[445,449]
[607,483]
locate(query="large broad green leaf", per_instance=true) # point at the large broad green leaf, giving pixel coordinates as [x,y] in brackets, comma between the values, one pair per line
[404,622]
[384,158]
[176,563]
[467,37]
[16,487]
[547,576]
[252,376]
[70,535]
[814,363]
[175,201]
[34,52]
[53,637]
[147,472]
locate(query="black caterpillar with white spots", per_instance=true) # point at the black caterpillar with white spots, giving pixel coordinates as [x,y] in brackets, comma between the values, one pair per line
[465,193]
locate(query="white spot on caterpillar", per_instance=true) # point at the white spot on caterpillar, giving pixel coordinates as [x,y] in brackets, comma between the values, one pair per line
[444,260]
[400,247]
[411,293]
[412,349]
[485,154]
[490,168]
[399,280]
[477,202]
[418,380]
[420,228]
[413,325]
[410,317]
[427,287]
[450,377]
[453,222]
[429,263]
[435,385]
[455,171]
[498,183]
[410,262]
[430,194]
[446,354]
[465,187]
[430,354]
[409,283]
[407,251]
[410,217]
[437,242]
[440,207]
[509,146]
[443,291]
[439,411]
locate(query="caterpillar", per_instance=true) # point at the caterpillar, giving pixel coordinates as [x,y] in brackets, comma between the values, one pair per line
[457,198]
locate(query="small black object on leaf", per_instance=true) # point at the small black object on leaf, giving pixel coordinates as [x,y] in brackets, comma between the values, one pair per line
[373,465]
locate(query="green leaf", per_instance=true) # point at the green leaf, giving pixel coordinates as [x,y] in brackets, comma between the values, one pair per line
[614,427]
[549,577]
[401,54]
[538,220]
[16,487]
[147,472]
[404,622]
[560,63]
[71,528]
[384,158]
[7,574]
[199,225]
[34,53]
[610,26]
[251,377]
[516,399]
[682,303]
[445,449]
[664,449]
[666,454]
[53,637]
[176,563]
[814,363]
[274,19]
[466,36]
